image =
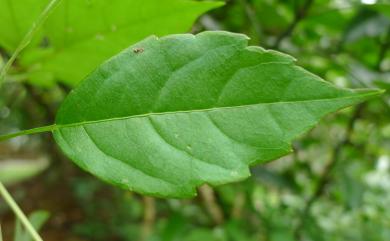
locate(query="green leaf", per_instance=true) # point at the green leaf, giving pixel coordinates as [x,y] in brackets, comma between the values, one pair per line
[82,34]
[16,18]
[171,113]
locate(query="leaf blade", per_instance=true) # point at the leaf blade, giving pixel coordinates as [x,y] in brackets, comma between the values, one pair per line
[192,110]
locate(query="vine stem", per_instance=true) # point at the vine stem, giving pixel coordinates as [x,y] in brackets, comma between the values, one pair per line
[18,212]
[28,37]
[28,132]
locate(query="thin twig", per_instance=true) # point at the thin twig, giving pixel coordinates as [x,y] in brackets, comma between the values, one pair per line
[149,216]
[215,211]
[18,212]
[299,15]
[28,37]
[238,205]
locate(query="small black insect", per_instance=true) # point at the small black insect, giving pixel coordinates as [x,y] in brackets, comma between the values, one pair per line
[138,50]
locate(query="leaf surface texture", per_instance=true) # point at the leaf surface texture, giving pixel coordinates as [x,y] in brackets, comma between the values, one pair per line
[169,114]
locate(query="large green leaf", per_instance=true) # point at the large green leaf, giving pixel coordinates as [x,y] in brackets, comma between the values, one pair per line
[84,33]
[171,113]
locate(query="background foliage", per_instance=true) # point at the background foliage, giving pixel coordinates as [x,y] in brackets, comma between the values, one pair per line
[336,186]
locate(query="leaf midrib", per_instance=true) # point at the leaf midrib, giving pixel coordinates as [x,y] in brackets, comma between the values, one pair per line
[59,126]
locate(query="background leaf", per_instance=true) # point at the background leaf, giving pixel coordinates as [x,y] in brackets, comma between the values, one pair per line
[14,171]
[92,31]
[16,17]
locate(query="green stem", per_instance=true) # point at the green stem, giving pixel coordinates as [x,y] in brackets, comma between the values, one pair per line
[18,212]
[28,132]
[28,37]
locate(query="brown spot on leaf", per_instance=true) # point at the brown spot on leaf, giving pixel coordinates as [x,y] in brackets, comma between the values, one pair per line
[138,50]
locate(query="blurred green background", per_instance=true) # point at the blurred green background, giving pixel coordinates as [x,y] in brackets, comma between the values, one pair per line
[335,186]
